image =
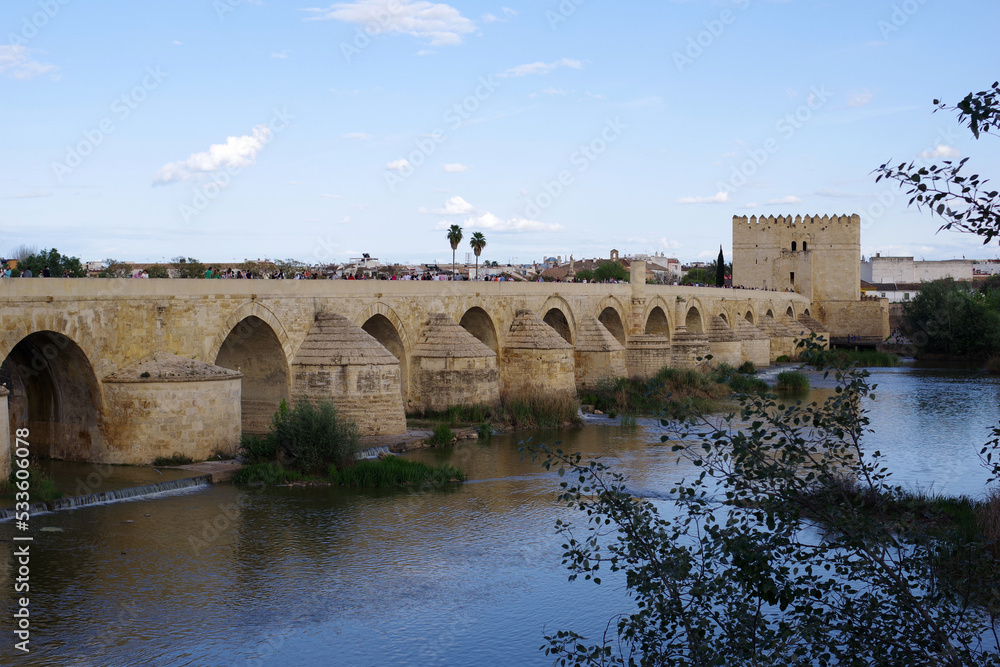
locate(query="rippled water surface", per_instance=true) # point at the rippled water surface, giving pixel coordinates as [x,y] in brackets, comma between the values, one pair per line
[466,576]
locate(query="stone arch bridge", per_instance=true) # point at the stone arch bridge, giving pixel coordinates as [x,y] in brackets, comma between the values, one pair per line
[124,370]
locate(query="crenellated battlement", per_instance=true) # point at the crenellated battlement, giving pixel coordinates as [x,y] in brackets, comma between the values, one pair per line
[790,221]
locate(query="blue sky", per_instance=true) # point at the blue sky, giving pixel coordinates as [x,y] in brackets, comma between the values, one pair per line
[232,129]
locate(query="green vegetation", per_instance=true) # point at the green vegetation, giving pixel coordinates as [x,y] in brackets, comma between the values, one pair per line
[309,437]
[58,264]
[443,435]
[485,432]
[627,421]
[740,380]
[954,319]
[514,412]
[269,473]
[174,460]
[114,268]
[454,238]
[393,471]
[792,382]
[188,267]
[477,242]
[724,576]
[670,391]
[41,487]
[606,271]
[782,359]
[698,277]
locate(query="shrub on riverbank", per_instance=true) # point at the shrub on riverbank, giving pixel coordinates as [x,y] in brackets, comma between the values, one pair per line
[792,382]
[41,487]
[443,435]
[514,412]
[269,473]
[308,437]
[393,471]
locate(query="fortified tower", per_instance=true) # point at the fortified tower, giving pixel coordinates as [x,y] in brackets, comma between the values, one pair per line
[818,257]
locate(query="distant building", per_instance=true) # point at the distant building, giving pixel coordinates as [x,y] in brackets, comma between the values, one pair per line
[884,270]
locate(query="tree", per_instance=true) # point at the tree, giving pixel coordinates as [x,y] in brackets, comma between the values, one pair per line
[478,242]
[720,270]
[454,238]
[157,271]
[698,277]
[57,263]
[188,267]
[963,201]
[611,271]
[788,546]
[114,268]
[952,318]
[23,251]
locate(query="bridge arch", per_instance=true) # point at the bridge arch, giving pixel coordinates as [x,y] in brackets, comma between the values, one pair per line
[558,315]
[247,310]
[657,319]
[790,311]
[750,316]
[479,323]
[611,314]
[55,393]
[253,348]
[693,318]
[384,325]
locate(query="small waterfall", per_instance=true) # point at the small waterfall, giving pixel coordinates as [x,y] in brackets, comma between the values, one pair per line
[130,493]
[373,453]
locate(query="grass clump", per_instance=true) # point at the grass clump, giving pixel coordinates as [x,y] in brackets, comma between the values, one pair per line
[308,437]
[41,487]
[176,459]
[740,380]
[393,471]
[792,382]
[527,410]
[485,431]
[443,435]
[782,359]
[269,473]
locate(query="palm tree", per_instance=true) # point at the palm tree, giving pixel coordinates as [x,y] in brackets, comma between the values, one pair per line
[454,237]
[478,242]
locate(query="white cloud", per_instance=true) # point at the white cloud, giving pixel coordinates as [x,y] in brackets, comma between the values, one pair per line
[30,195]
[553,91]
[456,168]
[439,23]
[840,194]
[359,136]
[717,198]
[507,14]
[176,43]
[426,52]
[941,150]
[490,222]
[326,196]
[398,165]
[540,68]
[859,99]
[594,96]
[454,206]
[280,55]
[237,152]
[790,199]
[15,63]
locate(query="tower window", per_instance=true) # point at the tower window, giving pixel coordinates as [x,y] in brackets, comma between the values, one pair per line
[793,246]
[792,277]
[805,245]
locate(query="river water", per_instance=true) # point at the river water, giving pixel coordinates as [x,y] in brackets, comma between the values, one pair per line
[464,576]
